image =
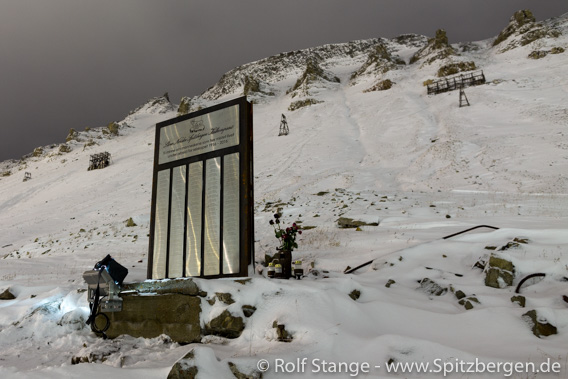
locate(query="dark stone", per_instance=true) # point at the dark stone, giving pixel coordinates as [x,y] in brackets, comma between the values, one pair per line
[519,299]
[541,327]
[7,295]
[382,85]
[38,151]
[184,106]
[184,368]
[282,333]
[355,294]
[113,128]
[303,103]
[459,294]
[179,371]
[431,287]
[240,375]
[226,298]
[480,264]
[521,240]
[251,85]
[467,304]
[390,283]
[499,268]
[454,68]
[537,54]
[510,245]
[347,223]
[225,325]
[441,39]
[248,310]
[73,134]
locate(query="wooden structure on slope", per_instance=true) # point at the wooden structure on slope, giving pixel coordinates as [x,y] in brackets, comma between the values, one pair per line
[463,98]
[283,127]
[456,82]
[99,161]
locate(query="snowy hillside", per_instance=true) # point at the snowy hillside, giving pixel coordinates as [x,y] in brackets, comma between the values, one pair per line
[418,165]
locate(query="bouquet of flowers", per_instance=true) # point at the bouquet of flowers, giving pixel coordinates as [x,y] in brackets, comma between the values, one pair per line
[286,236]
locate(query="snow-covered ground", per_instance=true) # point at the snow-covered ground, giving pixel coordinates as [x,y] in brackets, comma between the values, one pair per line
[419,165]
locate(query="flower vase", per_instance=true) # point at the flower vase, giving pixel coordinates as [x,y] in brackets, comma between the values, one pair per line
[286,262]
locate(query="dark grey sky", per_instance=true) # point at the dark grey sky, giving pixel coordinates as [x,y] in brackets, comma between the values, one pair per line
[77,63]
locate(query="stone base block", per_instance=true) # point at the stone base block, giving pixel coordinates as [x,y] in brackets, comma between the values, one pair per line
[149,316]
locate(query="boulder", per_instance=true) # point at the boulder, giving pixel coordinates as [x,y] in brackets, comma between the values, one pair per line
[459,294]
[225,325]
[64,148]
[226,298]
[184,106]
[519,299]
[38,151]
[184,368]
[281,332]
[454,68]
[539,325]
[349,223]
[431,287]
[499,272]
[390,283]
[250,85]
[303,103]
[73,134]
[248,310]
[113,128]
[382,85]
[468,302]
[355,294]
[7,295]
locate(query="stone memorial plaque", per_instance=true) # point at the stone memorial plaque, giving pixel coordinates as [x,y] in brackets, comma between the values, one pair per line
[212,226]
[230,213]
[198,135]
[161,223]
[193,233]
[177,222]
[202,220]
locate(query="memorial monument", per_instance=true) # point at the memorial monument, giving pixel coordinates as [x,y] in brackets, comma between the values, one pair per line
[202,217]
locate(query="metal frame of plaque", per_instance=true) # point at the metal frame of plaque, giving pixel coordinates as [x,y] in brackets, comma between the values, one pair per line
[202,219]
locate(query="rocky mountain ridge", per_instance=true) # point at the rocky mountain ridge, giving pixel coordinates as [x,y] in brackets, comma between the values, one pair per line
[373,57]
[309,71]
